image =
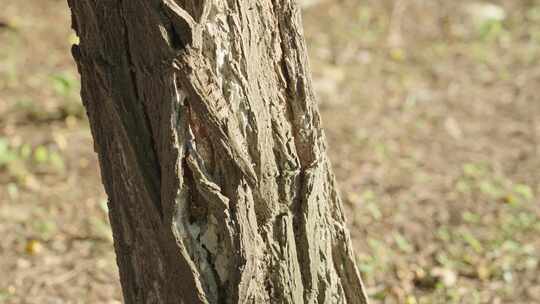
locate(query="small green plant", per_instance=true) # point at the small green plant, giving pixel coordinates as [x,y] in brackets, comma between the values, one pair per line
[22,160]
[63,83]
[490,30]
[7,155]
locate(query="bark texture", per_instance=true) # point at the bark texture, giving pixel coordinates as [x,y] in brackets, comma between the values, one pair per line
[212,152]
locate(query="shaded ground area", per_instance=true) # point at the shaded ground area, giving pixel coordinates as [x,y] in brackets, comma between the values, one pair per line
[432,115]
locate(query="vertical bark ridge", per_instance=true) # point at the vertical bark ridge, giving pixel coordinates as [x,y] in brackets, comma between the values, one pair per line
[212,152]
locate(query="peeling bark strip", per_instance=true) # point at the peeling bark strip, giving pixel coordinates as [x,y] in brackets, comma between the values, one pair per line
[212,152]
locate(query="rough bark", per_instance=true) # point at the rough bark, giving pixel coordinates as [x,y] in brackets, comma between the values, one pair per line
[212,153]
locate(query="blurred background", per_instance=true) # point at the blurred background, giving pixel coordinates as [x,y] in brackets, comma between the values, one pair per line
[432,114]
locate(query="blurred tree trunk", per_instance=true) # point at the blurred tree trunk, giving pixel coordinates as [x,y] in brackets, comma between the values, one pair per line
[212,153]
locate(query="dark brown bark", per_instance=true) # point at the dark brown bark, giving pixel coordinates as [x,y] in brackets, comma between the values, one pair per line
[212,152]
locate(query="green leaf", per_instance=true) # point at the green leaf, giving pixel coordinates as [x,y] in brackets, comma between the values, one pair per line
[41,154]
[6,154]
[472,241]
[63,83]
[402,243]
[57,161]
[474,170]
[491,189]
[470,217]
[524,191]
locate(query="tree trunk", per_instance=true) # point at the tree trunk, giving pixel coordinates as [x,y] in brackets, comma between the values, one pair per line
[212,152]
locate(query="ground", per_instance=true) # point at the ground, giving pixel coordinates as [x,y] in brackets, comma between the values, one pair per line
[432,117]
